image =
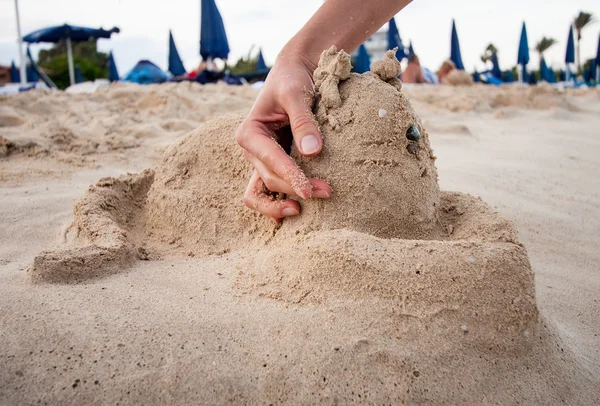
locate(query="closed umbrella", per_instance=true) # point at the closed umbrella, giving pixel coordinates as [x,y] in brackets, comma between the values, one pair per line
[455,55]
[496,72]
[260,62]
[213,39]
[570,54]
[113,73]
[411,50]
[363,61]
[598,62]
[523,56]
[15,76]
[394,40]
[175,64]
[78,74]
[70,33]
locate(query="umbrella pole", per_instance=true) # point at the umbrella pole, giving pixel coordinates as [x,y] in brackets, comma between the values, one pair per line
[567,74]
[70,58]
[23,65]
[523,72]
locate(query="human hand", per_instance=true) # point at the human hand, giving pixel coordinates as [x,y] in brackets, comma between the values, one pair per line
[285,99]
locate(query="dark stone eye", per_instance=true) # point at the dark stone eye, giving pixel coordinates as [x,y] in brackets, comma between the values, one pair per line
[413,133]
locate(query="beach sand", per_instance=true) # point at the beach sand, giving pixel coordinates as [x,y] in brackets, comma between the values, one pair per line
[200,316]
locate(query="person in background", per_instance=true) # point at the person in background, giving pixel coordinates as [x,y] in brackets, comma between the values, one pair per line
[447,67]
[413,72]
[283,100]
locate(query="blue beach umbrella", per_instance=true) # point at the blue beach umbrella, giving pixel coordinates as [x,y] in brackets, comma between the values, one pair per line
[546,73]
[213,39]
[455,55]
[15,76]
[496,66]
[570,53]
[523,56]
[113,73]
[394,40]
[70,33]
[260,62]
[411,50]
[175,65]
[78,74]
[363,61]
[598,61]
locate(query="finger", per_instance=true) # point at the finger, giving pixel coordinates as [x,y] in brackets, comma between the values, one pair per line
[256,199]
[320,188]
[307,136]
[254,137]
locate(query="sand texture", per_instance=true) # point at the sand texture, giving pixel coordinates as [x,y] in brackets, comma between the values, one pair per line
[415,295]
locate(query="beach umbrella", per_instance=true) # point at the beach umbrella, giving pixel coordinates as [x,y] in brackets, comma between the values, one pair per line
[175,65]
[570,54]
[78,75]
[394,40]
[213,39]
[523,56]
[598,61]
[15,76]
[455,55]
[260,62]
[70,33]
[411,50]
[363,61]
[546,73]
[113,73]
[496,66]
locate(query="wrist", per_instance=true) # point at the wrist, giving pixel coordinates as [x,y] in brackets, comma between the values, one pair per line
[297,52]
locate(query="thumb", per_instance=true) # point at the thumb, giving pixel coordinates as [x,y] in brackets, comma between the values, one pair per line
[307,136]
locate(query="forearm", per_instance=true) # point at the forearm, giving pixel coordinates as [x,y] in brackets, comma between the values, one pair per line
[343,23]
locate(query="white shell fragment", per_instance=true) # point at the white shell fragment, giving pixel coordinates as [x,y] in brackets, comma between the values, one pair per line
[382,113]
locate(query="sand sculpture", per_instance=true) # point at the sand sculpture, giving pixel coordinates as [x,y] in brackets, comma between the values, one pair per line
[440,269]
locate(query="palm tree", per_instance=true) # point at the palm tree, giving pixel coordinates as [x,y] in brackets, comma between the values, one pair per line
[581,21]
[544,45]
[489,51]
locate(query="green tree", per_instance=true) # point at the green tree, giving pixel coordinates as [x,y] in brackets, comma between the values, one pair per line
[489,51]
[93,64]
[581,21]
[543,45]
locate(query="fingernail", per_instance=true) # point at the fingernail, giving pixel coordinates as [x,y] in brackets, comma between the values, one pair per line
[321,194]
[309,144]
[289,211]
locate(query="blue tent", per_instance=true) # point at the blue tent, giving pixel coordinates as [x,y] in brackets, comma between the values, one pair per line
[78,75]
[363,61]
[411,50]
[523,56]
[394,40]
[496,67]
[113,73]
[69,33]
[213,39]
[145,72]
[455,55]
[15,76]
[260,62]
[175,65]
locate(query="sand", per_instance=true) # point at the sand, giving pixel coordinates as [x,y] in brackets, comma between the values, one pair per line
[164,288]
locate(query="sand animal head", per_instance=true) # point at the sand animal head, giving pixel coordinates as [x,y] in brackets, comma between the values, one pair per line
[376,154]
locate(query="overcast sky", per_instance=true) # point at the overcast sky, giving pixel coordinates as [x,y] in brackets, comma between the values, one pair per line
[145,24]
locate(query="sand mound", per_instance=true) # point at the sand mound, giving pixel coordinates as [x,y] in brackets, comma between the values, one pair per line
[459,78]
[484,98]
[79,127]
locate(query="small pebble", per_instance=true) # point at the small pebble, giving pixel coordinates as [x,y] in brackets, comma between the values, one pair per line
[413,133]
[382,113]
[471,260]
[526,333]
[464,328]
